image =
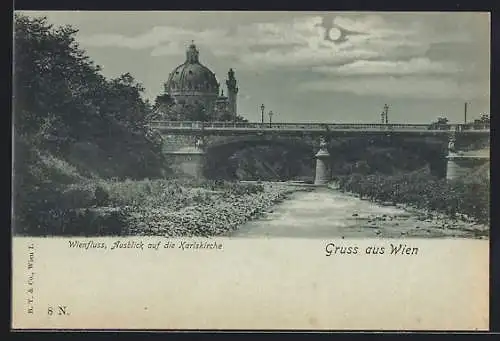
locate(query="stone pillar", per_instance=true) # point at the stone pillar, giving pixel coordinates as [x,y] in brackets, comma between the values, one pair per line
[451,166]
[193,160]
[460,163]
[455,168]
[199,157]
[323,171]
[196,164]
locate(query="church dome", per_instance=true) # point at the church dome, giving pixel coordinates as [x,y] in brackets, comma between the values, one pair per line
[192,76]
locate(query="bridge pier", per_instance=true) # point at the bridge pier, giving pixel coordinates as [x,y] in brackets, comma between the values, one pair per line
[193,165]
[323,171]
[460,163]
[190,160]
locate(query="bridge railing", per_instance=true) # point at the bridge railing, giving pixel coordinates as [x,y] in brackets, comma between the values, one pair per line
[312,126]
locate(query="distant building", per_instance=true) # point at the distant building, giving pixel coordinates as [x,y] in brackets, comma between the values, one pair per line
[193,83]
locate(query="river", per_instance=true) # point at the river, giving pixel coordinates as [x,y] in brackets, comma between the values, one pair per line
[328,213]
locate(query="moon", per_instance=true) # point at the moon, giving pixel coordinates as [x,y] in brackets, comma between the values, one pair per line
[334,34]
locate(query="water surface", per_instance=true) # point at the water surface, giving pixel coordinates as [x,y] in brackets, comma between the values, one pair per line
[327,213]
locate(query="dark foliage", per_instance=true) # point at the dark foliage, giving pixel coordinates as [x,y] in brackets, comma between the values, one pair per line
[419,189]
[62,102]
[166,108]
[60,98]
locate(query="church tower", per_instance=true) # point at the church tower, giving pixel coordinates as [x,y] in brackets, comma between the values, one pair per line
[232,92]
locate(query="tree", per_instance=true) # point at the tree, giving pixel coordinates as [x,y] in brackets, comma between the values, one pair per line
[196,112]
[482,122]
[226,116]
[361,167]
[439,123]
[52,76]
[123,102]
[163,106]
[60,97]
[442,120]
[167,108]
[485,119]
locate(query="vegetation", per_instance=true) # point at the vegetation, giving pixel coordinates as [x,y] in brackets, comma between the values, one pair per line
[72,125]
[482,122]
[166,108]
[86,163]
[467,196]
[151,207]
[172,194]
[62,104]
[440,123]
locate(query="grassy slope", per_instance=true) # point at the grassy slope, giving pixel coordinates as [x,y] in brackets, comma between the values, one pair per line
[76,204]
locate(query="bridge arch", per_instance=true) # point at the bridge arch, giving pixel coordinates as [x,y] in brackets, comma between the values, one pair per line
[221,140]
[228,157]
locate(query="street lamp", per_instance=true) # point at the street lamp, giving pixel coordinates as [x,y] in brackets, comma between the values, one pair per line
[262,107]
[386,111]
[270,118]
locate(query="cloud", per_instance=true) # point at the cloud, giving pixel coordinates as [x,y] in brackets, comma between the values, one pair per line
[157,37]
[422,66]
[302,42]
[305,33]
[152,38]
[408,87]
[299,41]
[168,49]
[391,45]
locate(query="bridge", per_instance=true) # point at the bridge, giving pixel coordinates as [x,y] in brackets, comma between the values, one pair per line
[183,127]
[188,142]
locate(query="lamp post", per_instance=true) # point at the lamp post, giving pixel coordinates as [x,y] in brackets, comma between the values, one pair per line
[270,118]
[262,107]
[386,111]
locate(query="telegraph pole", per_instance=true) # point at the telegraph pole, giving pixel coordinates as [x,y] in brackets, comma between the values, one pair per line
[465,113]
[262,107]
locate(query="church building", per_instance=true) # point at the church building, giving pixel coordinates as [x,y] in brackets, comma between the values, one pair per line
[194,83]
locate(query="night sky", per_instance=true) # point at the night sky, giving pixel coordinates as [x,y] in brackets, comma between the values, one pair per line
[307,67]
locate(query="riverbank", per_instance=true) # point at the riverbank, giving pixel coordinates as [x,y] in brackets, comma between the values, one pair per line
[330,214]
[465,198]
[419,222]
[175,208]
[171,208]
[218,215]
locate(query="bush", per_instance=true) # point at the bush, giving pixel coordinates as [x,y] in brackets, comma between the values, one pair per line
[418,189]
[77,196]
[171,193]
[86,222]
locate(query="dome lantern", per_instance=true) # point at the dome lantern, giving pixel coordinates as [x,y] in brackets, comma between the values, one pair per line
[192,54]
